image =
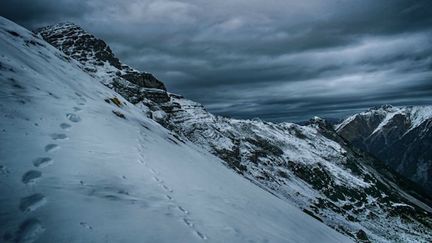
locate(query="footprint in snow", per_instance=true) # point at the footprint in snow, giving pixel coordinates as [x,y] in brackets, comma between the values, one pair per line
[73,117]
[200,235]
[4,170]
[81,98]
[65,126]
[166,188]
[85,225]
[51,147]
[29,230]
[82,101]
[153,171]
[183,210]
[192,226]
[32,202]
[188,222]
[59,136]
[77,109]
[32,176]
[42,162]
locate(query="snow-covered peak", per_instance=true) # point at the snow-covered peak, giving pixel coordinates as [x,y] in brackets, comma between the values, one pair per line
[415,115]
[399,136]
[61,28]
[419,114]
[386,107]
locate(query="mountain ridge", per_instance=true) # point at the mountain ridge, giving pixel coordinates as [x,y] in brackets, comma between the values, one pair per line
[297,163]
[400,136]
[79,163]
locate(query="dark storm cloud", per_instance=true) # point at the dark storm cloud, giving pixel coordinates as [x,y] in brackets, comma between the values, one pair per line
[37,13]
[278,60]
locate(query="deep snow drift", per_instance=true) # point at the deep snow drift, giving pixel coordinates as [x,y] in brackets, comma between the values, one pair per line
[77,165]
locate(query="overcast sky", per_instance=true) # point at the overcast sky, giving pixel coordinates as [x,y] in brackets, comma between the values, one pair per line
[278,60]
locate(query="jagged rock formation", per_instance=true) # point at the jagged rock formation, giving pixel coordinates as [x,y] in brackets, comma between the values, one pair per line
[309,166]
[96,56]
[402,137]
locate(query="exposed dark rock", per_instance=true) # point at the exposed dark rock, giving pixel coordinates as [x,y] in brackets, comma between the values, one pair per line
[13,33]
[119,114]
[143,80]
[94,52]
[362,236]
[312,214]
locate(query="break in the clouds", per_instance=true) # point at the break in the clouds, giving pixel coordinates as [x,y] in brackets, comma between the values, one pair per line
[277,60]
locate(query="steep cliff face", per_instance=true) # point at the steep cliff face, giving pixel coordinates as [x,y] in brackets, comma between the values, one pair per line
[402,137]
[310,166]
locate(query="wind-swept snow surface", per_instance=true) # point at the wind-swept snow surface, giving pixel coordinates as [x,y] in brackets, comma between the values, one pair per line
[78,163]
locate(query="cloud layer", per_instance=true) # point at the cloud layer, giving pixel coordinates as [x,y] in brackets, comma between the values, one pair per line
[277,60]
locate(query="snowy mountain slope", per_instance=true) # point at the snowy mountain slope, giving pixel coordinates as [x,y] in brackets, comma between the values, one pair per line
[81,164]
[301,164]
[400,136]
[415,114]
[310,167]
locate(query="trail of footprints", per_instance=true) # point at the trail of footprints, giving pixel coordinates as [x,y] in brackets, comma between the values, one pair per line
[185,213]
[31,228]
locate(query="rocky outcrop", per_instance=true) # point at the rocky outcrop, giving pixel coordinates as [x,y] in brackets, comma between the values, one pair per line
[401,137]
[95,54]
[75,42]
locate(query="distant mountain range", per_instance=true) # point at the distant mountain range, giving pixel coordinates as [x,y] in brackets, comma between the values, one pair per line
[399,136]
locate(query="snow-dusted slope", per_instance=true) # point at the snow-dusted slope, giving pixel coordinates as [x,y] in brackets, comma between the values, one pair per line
[415,115]
[81,164]
[310,167]
[400,136]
